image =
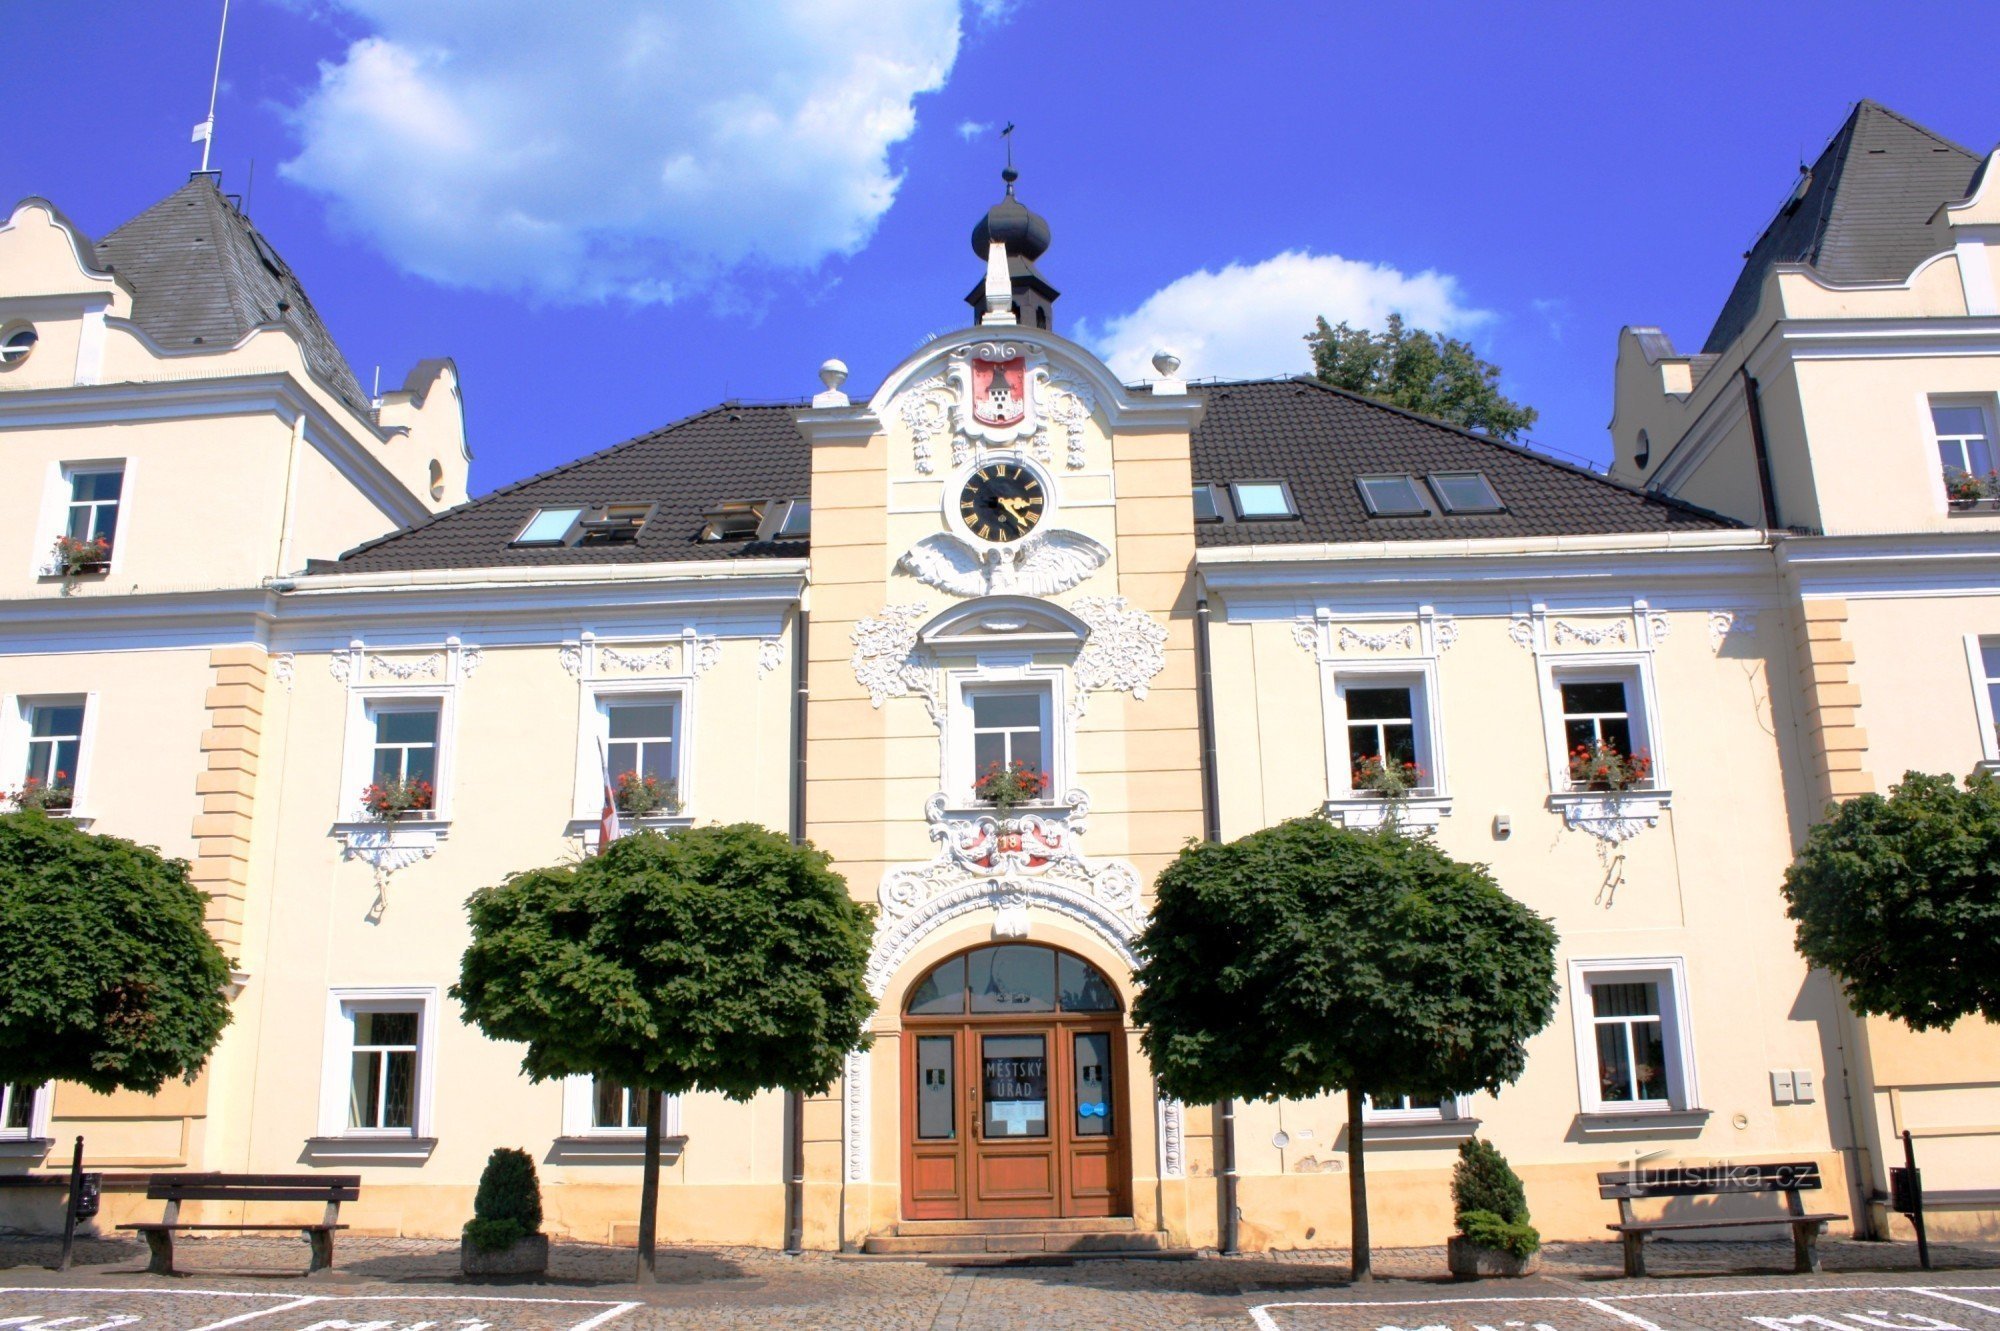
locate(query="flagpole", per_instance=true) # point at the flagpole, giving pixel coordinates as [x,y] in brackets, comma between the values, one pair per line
[206,129]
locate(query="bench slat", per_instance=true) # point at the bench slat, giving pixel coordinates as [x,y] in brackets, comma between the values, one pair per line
[167,1229]
[199,1194]
[1709,1180]
[1646,1226]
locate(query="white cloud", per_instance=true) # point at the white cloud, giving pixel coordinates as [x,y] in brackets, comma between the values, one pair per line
[645,152]
[974,129]
[1251,319]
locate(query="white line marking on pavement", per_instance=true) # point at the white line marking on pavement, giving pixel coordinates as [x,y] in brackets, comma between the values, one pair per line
[1949,1298]
[1261,1314]
[1622,1315]
[259,1312]
[604,1317]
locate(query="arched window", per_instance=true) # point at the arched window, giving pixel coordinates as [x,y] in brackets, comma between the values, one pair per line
[1011,978]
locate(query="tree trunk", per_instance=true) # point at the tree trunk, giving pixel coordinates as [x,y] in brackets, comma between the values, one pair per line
[1357,1190]
[649,1192]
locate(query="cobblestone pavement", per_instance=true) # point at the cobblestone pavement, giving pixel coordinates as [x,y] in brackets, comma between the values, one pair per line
[414,1285]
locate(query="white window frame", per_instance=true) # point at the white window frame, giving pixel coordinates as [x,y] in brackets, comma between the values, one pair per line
[72,474]
[55,512]
[1983,404]
[38,1130]
[358,762]
[1418,674]
[594,728]
[1632,669]
[1676,1029]
[958,775]
[14,737]
[1982,699]
[336,1070]
[577,1115]
[1451,1109]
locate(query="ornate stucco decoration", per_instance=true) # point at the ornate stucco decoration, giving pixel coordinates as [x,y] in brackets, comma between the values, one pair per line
[1726,624]
[1125,650]
[406,669]
[855,1112]
[887,661]
[770,655]
[1613,819]
[1428,634]
[995,393]
[284,669]
[1046,563]
[1404,637]
[688,655]
[1105,896]
[1173,1146]
[1521,631]
[990,841]
[1615,631]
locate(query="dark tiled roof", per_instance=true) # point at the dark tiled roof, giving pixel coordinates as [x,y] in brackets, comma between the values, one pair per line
[729,452]
[1319,439]
[1316,438]
[202,275]
[1866,214]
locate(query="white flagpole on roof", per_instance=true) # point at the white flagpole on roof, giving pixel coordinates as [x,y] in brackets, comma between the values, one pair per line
[204,133]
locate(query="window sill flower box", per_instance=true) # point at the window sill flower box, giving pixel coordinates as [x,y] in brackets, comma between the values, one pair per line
[72,558]
[1364,810]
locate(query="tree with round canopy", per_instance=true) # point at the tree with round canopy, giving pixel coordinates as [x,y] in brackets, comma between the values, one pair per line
[1308,958]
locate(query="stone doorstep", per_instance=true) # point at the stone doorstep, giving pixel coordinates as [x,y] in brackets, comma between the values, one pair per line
[1027,1225]
[1126,1242]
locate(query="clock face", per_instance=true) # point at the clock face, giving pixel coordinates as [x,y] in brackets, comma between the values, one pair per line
[1002,501]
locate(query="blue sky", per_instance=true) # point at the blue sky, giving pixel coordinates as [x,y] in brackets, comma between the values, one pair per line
[617,213]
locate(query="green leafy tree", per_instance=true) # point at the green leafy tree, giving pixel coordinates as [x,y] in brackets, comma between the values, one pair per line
[1900,899]
[715,959]
[108,976]
[1306,959]
[1420,372]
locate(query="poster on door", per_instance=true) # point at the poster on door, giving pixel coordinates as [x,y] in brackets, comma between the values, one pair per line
[1017,1095]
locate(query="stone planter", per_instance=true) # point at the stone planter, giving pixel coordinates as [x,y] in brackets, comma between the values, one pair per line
[527,1257]
[1469,1261]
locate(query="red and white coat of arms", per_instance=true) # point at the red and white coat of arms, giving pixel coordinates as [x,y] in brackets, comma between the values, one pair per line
[999,391]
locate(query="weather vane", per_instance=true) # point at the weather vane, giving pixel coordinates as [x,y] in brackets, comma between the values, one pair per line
[1007,135]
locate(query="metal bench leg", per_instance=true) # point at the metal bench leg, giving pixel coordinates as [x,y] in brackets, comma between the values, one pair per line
[322,1249]
[160,1246]
[1635,1254]
[1805,1248]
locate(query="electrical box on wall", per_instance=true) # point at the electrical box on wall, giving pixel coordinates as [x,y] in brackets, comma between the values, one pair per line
[1783,1088]
[1802,1086]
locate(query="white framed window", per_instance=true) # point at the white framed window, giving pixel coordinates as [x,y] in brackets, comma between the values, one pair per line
[45,746]
[1983,656]
[380,1066]
[997,724]
[1410,1109]
[644,726]
[1963,430]
[1596,704]
[24,1112]
[95,493]
[600,1108]
[1382,738]
[642,733]
[1634,1048]
[398,734]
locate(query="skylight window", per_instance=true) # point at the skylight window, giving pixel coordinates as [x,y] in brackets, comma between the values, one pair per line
[614,524]
[738,520]
[549,526]
[1262,500]
[1207,508]
[1465,492]
[797,522]
[1392,496]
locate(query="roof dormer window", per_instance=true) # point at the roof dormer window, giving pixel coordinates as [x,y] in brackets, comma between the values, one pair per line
[736,520]
[613,524]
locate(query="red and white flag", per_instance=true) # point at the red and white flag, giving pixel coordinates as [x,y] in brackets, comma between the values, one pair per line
[607,822]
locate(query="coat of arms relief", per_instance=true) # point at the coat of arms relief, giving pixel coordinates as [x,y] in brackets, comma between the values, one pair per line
[996,394]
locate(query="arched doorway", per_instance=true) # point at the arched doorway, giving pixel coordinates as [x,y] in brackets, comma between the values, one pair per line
[1013,1081]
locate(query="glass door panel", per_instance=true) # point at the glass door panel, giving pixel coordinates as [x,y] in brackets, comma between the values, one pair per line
[937,1101]
[1092,1070]
[1014,1077]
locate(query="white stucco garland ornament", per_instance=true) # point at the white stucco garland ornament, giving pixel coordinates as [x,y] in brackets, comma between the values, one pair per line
[1615,631]
[1046,563]
[1404,637]
[1125,650]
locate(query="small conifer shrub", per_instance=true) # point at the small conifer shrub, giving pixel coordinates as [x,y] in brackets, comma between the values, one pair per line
[508,1207]
[1492,1205]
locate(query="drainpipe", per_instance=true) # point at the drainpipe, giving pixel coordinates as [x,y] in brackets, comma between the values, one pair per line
[795,1101]
[1753,398]
[1211,830]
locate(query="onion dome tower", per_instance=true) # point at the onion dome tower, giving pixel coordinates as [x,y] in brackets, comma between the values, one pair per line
[1010,237]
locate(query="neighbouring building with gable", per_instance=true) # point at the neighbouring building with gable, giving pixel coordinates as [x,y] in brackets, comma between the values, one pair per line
[1846,401]
[1197,608]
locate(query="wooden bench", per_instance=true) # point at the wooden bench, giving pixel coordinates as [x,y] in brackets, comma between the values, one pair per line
[1721,1180]
[173,1189]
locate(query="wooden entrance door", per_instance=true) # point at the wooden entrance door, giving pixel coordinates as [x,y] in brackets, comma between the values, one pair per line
[1009,1115]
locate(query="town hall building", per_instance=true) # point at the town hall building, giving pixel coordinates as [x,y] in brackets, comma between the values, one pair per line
[1192,607]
